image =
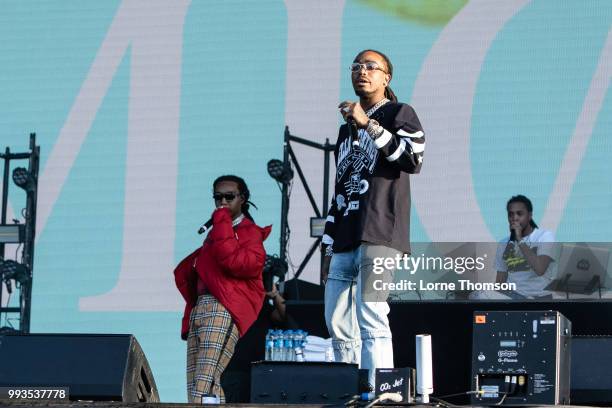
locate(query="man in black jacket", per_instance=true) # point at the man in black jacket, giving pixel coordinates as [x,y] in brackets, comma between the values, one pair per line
[379,146]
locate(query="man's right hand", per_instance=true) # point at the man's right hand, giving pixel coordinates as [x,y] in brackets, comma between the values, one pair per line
[325,269]
[516,231]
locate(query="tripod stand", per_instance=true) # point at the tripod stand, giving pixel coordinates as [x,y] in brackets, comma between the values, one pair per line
[289,158]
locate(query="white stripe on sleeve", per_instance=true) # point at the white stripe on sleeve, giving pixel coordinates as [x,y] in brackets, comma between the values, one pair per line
[383,139]
[416,135]
[416,147]
[398,152]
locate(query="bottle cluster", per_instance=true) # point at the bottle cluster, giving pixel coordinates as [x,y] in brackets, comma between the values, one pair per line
[285,345]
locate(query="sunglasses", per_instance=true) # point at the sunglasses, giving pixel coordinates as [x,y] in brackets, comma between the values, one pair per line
[368,66]
[229,197]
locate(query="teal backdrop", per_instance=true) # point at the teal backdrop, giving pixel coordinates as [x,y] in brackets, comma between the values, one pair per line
[139,105]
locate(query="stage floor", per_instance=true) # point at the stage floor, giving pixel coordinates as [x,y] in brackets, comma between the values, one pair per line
[105,404]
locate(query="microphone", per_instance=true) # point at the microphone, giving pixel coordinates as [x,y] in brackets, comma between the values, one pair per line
[9,287]
[512,235]
[205,227]
[352,129]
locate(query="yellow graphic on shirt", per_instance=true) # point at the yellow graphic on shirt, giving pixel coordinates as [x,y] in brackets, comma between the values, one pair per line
[514,259]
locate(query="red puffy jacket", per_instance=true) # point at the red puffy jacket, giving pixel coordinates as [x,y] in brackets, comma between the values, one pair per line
[229,265]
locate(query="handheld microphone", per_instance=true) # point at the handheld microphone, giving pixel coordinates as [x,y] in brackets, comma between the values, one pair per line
[512,235]
[205,227]
[353,133]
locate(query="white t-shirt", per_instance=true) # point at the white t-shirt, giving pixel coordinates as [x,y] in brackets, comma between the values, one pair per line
[510,259]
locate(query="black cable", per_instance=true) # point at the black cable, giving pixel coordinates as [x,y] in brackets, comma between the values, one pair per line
[8,302]
[353,401]
[290,264]
[459,394]
[449,405]
[17,250]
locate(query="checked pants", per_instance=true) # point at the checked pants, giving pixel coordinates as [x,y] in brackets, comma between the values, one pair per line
[210,346]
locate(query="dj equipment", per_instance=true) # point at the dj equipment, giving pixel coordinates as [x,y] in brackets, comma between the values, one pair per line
[521,357]
[94,367]
[286,382]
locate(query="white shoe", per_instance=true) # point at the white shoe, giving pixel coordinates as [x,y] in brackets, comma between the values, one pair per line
[210,399]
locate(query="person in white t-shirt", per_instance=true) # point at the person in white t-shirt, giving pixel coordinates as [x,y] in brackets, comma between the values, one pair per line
[526,256]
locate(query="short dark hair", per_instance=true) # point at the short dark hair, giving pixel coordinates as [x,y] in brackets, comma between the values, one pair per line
[527,202]
[389,94]
[243,189]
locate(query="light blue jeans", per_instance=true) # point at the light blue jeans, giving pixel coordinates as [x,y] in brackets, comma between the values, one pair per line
[359,329]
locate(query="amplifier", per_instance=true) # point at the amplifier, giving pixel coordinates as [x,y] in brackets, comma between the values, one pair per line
[521,357]
[285,382]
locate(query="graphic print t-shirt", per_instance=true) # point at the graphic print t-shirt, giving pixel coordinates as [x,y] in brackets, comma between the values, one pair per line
[371,200]
[510,259]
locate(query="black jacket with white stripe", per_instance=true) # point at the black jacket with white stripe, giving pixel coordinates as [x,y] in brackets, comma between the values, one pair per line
[371,201]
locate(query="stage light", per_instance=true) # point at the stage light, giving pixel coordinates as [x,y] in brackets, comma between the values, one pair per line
[10,269]
[11,233]
[280,171]
[317,226]
[23,178]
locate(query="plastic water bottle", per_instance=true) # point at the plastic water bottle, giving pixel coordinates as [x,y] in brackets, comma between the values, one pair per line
[329,354]
[277,349]
[299,355]
[281,354]
[288,345]
[298,346]
[304,337]
[269,345]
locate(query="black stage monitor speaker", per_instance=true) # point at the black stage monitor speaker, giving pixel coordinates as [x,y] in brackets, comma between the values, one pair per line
[94,367]
[591,378]
[284,382]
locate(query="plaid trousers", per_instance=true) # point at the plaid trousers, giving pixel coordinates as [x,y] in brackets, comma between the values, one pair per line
[210,346]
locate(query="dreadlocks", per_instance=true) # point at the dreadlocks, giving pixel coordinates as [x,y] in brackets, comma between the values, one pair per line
[242,189]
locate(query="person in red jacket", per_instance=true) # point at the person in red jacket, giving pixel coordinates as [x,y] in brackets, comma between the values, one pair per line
[222,285]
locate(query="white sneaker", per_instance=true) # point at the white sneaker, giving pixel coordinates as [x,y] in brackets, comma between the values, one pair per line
[210,399]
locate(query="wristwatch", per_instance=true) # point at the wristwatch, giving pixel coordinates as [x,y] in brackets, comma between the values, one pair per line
[374,129]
